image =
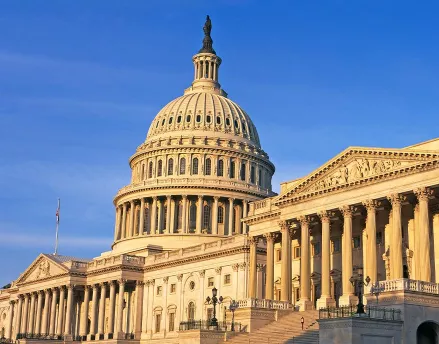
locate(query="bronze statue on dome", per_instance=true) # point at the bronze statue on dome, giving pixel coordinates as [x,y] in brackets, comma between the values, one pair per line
[207,41]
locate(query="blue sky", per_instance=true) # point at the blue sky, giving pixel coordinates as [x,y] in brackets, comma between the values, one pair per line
[81,80]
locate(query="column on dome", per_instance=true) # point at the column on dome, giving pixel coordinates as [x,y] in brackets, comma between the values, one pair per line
[168,214]
[84,319]
[24,325]
[62,295]
[396,239]
[132,214]
[238,224]
[153,215]
[231,216]
[244,215]
[69,310]
[160,216]
[199,214]
[269,279]
[305,271]
[173,214]
[44,330]
[101,315]
[325,299]
[30,328]
[184,214]
[94,306]
[141,227]
[37,329]
[53,312]
[111,307]
[124,221]
[348,297]
[117,224]
[253,242]
[423,194]
[371,251]
[215,215]
[285,279]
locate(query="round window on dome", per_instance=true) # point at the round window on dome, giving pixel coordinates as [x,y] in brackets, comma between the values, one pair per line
[208,118]
[163,122]
[170,120]
[198,118]
[179,119]
[236,124]
[157,125]
[192,285]
[228,121]
[218,120]
[188,118]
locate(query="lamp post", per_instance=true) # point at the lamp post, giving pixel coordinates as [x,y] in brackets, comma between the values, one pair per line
[214,300]
[233,306]
[376,290]
[358,283]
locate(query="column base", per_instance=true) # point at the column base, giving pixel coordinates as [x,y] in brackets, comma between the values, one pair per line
[305,305]
[325,302]
[347,300]
[120,335]
[68,338]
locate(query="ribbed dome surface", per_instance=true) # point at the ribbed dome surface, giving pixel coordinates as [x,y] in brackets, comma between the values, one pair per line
[204,114]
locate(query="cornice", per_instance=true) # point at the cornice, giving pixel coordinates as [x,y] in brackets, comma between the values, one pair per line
[254,219]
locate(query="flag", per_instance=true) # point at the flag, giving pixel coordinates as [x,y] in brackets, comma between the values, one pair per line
[57,212]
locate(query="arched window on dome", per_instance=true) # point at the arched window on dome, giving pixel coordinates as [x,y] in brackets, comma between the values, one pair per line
[183,166]
[170,120]
[146,221]
[170,167]
[218,120]
[260,177]
[163,122]
[188,118]
[206,217]
[220,214]
[198,118]
[143,171]
[252,174]
[208,118]
[192,216]
[232,169]
[159,168]
[208,167]
[180,216]
[228,121]
[243,168]
[195,166]
[220,168]
[150,170]
[179,119]
[236,124]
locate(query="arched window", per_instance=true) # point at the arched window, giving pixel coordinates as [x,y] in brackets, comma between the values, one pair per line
[243,168]
[150,170]
[232,169]
[252,174]
[260,177]
[195,166]
[146,221]
[220,168]
[165,216]
[180,216]
[191,311]
[143,171]
[193,215]
[220,214]
[159,168]
[208,167]
[170,167]
[206,217]
[182,165]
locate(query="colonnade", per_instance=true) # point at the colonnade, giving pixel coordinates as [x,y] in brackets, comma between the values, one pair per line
[180,214]
[419,199]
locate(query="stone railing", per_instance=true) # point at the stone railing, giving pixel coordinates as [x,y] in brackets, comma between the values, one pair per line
[263,303]
[263,206]
[123,259]
[409,285]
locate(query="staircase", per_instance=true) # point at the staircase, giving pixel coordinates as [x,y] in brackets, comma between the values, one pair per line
[286,329]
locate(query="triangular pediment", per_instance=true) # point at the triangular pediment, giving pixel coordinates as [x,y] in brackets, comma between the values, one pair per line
[43,267]
[358,165]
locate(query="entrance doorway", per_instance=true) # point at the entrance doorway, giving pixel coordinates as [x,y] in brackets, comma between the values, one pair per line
[427,333]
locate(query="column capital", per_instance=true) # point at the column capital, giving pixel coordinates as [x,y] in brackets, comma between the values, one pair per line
[102,284]
[11,302]
[112,283]
[47,291]
[131,202]
[253,240]
[179,277]
[423,193]
[346,210]
[202,273]
[154,198]
[216,198]
[152,282]
[140,283]
[260,267]
[235,267]
[242,266]
[270,237]
[218,270]
[184,197]
[168,197]
[396,199]
[124,205]
[231,199]
[371,204]
[304,220]
[325,216]
[284,226]
[165,280]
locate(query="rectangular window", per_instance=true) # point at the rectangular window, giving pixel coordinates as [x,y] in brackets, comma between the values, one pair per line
[158,320]
[356,242]
[159,290]
[227,279]
[297,293]
[209,313]
[336,245]
[379,238]
[171,322]
[278,255]
[316,248]
[210,281]
[296,252]
[173,288]
[278,294]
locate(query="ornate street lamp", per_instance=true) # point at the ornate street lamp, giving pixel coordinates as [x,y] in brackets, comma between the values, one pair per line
[376,290]
[358,283]
[214,300]
[233,306]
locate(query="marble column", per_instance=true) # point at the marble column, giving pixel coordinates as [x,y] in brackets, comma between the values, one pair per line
[141,217]
[416,252]
[164,304]
[396,239]
[62,295]
[139,309]
[112,307]
[215,216]
[19,314]
[120,306]
[11,319]
[31,326]
[253,242]
[199,214]
[117,224]
[69,311]
[305,271]
[244,215]
[173,213]
[101,315]
[325,299]
[371,229]
[269,281]
[348,296]
[84,319]
[153,215]
[178,314]
[149,324]
[184,216]
[423,194]
[132,214]
[168,214]
[160,217]
[124,221]
[38,317]
[53,311]
[44,329]
[145,310]
[285,279]
[201,296]
[94,307]
[231,216]
[238,223]
[24,325]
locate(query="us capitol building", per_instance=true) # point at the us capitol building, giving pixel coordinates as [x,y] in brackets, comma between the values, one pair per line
[199,213]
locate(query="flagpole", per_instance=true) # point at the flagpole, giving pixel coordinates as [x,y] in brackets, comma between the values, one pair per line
[57,227]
